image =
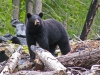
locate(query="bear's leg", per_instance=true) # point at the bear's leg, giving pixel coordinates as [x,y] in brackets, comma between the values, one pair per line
[32,54]
[52,49]
[64,46]
[31,41]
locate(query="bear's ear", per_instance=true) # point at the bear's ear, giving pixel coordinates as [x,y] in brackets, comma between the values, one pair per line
[41,14]
[28,15]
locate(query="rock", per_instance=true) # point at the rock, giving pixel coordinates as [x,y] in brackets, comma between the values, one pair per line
[8,36]
[19,40]
[5,38]
[20,28]
[2,39]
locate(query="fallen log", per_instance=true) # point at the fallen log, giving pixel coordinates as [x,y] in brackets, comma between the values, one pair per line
[2,65]
[70,71]
[12,62]
[48,59]
[95,70]
[51,73]
[85,58]
[25,65]
[39,73]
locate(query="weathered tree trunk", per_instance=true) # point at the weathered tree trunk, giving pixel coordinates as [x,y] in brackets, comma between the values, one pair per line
[89,19]
[16,6]
[85,58]
[37,6]
[29,7]
[33,6]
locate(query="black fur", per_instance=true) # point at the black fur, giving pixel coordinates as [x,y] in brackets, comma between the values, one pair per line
[48,34]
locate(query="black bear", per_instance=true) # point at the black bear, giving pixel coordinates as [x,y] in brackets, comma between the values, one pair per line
[47,33]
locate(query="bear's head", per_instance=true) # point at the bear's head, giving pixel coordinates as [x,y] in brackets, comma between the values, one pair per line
[35,19]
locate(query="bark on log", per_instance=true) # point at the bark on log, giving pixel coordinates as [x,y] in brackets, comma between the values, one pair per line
[85,58]
[12,62]
[47,58]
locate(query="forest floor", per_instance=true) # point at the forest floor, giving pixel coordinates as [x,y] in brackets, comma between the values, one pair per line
[24,61]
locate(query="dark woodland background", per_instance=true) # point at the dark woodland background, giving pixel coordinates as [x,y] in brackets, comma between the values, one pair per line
[72,13]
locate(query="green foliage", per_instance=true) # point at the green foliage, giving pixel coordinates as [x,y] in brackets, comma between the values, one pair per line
[5,17]
[22,11]
[96,26]
[25,49]
[73,12]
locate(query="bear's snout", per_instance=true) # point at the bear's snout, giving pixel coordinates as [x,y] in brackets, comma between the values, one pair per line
[36,22]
